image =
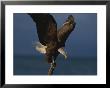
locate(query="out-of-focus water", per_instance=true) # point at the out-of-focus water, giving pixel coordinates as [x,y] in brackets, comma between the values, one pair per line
[37,65]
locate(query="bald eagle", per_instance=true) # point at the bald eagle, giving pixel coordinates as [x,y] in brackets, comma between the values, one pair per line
[51,42]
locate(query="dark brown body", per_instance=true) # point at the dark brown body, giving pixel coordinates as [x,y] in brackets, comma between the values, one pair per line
[48,34]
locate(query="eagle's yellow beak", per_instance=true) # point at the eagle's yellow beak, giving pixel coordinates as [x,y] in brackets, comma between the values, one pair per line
[41,48]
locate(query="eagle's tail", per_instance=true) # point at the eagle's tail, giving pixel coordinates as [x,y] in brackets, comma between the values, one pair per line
[61,51]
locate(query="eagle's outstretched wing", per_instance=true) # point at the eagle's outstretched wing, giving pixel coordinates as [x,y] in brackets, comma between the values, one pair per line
[47,34]
[65,30]
[46,27]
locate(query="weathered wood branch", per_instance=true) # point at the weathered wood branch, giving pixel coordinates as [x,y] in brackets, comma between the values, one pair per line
[51,69]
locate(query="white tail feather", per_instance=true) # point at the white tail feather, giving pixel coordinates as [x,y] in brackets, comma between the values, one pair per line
[61,51]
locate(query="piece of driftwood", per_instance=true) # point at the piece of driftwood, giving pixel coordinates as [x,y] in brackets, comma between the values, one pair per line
[51,69]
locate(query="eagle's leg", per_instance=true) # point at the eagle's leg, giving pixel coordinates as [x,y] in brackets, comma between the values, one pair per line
[52,67]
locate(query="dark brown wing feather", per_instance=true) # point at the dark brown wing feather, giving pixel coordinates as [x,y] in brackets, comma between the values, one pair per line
[46,27]
[65,30]
[47,32]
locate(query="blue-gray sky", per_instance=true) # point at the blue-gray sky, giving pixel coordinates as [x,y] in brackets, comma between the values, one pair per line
[82,42]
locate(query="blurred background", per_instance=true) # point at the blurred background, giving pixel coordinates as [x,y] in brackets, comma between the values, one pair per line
[81,46]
